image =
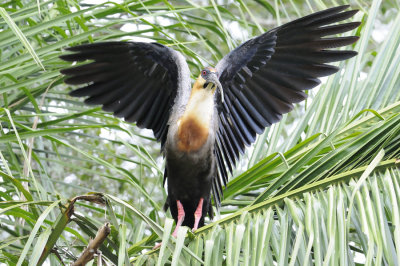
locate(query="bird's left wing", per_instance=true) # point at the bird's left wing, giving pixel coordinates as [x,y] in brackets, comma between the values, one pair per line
[264,76]
[134,80]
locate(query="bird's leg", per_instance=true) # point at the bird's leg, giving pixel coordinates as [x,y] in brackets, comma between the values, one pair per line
[181,217]
[197,215]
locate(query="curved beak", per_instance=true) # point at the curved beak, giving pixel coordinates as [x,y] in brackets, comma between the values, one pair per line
[214,79]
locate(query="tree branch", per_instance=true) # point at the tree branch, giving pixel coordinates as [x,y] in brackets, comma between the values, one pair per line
[88,254]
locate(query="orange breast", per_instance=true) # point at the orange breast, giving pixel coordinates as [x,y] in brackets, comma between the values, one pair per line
[192,134]
[193,126]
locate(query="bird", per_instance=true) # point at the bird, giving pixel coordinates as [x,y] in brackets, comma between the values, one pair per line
[204,128]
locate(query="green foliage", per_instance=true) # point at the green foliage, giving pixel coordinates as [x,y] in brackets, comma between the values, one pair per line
[320,187]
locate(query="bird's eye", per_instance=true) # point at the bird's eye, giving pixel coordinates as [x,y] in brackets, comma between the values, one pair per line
[204,72]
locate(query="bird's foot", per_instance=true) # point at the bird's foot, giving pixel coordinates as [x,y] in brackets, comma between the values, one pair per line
[181,217]
[197,215]
[156,246]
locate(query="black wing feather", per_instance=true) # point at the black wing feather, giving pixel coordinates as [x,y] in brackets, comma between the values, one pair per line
[134,80]
[264,76]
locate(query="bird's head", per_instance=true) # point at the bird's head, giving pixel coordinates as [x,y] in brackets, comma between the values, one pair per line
[208,79]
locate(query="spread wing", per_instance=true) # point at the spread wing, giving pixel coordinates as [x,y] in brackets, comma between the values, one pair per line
[134,80]
[264,76]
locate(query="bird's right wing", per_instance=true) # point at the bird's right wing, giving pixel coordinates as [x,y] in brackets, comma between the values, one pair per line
[135,80]
[264,76]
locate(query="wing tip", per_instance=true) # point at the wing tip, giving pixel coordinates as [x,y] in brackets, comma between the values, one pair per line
[353,39]
[65,71]
[353,25]
[67,57]
[352,53]
[76,93]
[339,8]
[91,101]
[352,12]
[72,81]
